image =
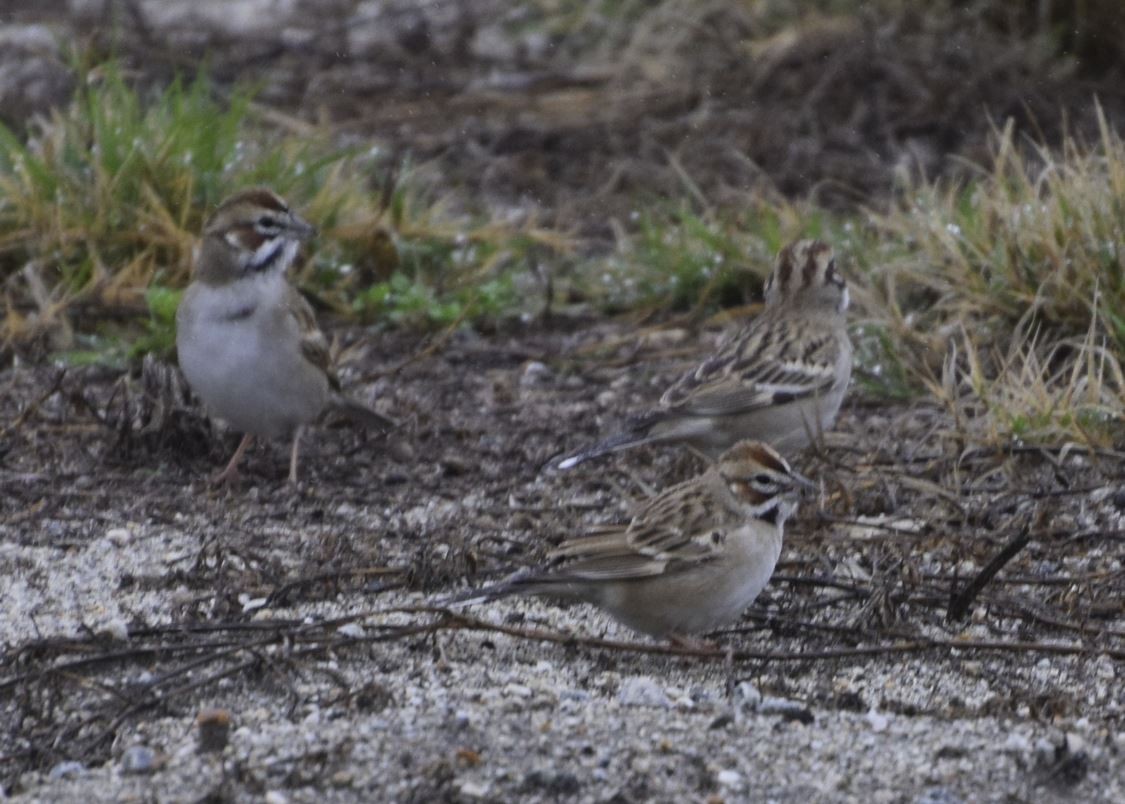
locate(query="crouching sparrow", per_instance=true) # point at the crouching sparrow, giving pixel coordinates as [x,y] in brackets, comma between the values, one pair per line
[780,379]
[692,558]
[247,341]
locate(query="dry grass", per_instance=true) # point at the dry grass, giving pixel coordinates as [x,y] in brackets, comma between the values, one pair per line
[1005,296]
[1037,392]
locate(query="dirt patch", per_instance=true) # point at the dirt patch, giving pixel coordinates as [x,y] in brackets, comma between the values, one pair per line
[137,595]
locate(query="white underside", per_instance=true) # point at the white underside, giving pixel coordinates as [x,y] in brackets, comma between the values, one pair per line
[248,370]
[700,599]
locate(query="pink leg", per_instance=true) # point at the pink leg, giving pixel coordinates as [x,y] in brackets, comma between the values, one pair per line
[230,475]
[293,456]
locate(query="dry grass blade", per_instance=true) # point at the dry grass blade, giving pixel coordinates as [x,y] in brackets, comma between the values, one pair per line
[1003,296]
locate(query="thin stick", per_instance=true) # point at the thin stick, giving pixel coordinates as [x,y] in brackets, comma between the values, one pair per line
[34,406]
[959,602]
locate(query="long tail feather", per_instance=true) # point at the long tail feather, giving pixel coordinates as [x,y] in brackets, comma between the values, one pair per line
[639,433]
[521,581]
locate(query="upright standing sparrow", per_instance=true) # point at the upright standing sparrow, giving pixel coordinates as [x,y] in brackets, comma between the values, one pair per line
[692,558]
[781,379]
[248,342]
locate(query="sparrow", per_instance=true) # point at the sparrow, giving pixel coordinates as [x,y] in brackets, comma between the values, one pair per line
[247,341]
[691,559]
[780,379]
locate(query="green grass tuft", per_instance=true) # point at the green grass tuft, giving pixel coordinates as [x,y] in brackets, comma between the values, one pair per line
[100,210]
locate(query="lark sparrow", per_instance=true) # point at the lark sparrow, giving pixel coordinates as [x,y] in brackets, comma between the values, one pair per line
[781,378]
[692,558]
[248,342]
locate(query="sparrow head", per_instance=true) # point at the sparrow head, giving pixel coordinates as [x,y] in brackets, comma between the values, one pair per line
[249,233]
[806,276]
[761,480]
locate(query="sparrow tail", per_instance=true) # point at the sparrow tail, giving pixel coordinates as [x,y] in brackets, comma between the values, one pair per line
[523,581]
[639,432]
[361,414]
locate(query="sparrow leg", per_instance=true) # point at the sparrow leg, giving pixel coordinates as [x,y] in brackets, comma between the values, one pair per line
[728,671]
[293,455]
[230,475]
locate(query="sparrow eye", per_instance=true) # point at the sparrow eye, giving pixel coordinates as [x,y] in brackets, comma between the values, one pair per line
[269,223]
[762,479]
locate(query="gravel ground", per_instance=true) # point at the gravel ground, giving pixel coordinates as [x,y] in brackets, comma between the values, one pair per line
[464,718]
[136,597]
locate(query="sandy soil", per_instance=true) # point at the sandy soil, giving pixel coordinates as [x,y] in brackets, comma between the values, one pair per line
[137,596]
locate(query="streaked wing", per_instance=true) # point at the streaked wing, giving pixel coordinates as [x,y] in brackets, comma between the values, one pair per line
[773,362]
[669,533]
[313,345]
[604,554]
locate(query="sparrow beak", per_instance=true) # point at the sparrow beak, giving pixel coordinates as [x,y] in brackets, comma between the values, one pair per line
[301,227]
[802,481]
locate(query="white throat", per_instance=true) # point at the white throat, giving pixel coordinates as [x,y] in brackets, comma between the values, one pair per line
[277,252]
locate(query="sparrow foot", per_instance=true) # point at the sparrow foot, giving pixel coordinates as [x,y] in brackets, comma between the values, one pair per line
[229,476]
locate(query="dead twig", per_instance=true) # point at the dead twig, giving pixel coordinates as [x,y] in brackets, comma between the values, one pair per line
[959,602]
[915,645]
[24,414]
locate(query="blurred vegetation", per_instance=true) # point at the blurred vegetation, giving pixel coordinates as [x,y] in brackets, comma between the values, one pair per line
[101,206]
[1000,293]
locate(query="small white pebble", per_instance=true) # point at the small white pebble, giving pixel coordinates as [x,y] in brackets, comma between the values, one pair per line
[749,695]
[877,721]
[138,759]
[473,790]
[1104,668]
[642,691]
[251,603]
[114,628]
[1045,749]
[730,778]
[70,770]
[351,630]
[534,373]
